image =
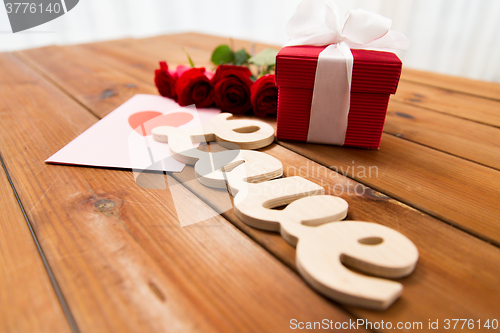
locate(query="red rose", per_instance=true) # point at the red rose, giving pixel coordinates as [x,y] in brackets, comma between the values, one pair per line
[232,88]
[265,96]
[165,81]
[194,87]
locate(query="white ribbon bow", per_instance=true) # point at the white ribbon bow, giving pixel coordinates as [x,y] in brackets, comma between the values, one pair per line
[316,22]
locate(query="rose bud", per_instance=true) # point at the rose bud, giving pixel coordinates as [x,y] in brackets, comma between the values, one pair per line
[165,81]
[210,74]
[264,96]
[194,87]
[179,71]
[232,88]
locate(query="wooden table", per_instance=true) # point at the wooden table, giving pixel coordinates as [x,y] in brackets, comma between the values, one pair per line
[69,263]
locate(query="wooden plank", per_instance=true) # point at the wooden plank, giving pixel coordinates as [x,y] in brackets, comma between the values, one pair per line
[154,49]
[122,260]
[457,191]
[105,89]
[473,141]
[451,280]
[28,302]
[154,46]
[140,57]
[458,104]
[216,199]
[139,63]
[201,42]
[478,88]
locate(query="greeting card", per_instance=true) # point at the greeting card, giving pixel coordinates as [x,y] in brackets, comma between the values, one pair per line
[123,138]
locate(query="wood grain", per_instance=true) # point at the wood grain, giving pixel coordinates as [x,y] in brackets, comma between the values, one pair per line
[105,88]
[485,111]
[135,62]
[28,302]
[140,57]
[201,42]
[216,198]
[478,88]
[457,136]
[122,260]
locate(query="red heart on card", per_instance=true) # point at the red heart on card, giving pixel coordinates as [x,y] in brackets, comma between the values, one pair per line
[143,122]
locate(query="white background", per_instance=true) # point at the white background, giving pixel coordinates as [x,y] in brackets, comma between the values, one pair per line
[456,37]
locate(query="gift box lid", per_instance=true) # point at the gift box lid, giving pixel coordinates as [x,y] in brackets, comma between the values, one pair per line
[373,71]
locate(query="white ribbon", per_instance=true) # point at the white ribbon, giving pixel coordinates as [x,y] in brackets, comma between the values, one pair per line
[316,22]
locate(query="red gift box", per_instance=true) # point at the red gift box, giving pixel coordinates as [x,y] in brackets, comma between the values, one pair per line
[375,77]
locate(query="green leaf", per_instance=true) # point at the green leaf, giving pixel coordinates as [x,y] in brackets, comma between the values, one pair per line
[191,63]
[241,57]
[266,57]
[222,55]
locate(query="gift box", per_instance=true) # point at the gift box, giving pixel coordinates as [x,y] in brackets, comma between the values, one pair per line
[375,76]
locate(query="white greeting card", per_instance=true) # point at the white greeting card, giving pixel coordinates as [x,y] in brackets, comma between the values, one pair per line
[123,138]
